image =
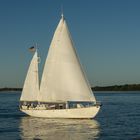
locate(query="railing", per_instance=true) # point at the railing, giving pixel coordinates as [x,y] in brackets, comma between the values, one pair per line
[52,106]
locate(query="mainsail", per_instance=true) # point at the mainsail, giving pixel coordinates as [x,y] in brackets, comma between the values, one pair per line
[30,90]
[63,78]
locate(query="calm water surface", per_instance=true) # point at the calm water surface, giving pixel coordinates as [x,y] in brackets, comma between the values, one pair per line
[119,119]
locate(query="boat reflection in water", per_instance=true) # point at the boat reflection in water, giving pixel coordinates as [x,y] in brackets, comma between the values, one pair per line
[60,129]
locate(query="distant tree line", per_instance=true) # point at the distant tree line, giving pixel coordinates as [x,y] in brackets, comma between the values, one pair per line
[10,89]
[126,87]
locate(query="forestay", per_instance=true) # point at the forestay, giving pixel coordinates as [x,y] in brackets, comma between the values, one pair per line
[63,78]
[31,85]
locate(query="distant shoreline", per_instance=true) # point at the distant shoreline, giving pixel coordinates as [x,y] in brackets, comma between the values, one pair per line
[10,89]
[126,87]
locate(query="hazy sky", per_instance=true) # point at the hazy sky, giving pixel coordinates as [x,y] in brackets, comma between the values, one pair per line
[106,34]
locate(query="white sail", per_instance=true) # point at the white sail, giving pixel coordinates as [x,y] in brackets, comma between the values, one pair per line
[63,78]
[30,90]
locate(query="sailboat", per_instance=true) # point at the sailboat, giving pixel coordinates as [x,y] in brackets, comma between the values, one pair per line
[64,91]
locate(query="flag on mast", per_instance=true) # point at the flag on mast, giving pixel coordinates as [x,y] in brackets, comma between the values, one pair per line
[32,49]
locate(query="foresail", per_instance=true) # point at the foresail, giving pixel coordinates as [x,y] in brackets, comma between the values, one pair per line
[63,78]
[30,90]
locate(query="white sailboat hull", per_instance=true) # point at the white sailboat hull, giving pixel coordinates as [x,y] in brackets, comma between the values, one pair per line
[81,113]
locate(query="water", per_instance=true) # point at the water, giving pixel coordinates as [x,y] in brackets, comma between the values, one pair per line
[119,119]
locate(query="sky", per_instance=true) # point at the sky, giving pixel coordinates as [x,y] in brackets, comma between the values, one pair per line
[106,34]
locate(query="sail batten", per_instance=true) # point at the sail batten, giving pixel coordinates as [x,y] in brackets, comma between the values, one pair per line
[63,78]
[30,90]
